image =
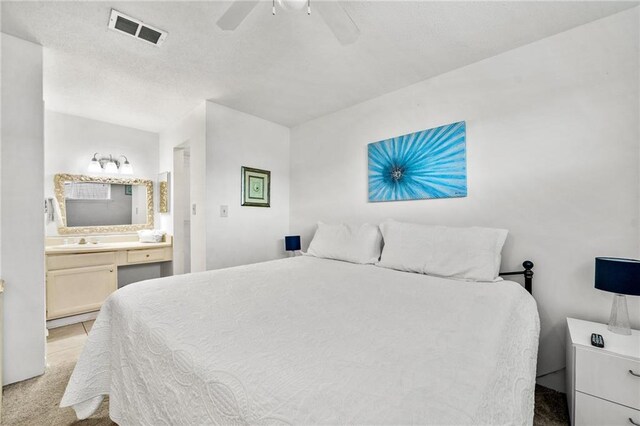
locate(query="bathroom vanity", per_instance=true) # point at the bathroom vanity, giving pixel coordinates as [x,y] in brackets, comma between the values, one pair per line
[97,243]
[81,276]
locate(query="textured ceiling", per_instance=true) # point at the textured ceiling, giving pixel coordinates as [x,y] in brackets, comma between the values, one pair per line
[287,68]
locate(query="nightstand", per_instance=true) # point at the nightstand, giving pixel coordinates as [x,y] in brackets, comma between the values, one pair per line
[603,384]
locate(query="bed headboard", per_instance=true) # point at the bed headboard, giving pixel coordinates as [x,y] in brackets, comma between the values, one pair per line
[528,275]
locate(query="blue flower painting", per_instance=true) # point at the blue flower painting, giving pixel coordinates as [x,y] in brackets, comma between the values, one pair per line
[427,164]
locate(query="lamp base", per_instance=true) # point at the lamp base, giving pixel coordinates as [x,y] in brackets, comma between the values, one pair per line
[619,319]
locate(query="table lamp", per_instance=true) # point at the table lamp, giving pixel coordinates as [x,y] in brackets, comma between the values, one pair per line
[622,277]
[292,243]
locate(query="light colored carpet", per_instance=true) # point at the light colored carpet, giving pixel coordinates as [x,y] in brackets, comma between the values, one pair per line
[35,402]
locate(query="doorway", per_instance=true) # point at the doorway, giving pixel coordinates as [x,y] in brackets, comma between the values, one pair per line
[182,207]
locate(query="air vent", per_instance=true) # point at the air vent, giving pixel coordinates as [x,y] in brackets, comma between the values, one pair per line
[136,28]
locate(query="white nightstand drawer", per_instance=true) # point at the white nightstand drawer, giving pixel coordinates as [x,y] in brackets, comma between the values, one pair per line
[607,376]
[598,412]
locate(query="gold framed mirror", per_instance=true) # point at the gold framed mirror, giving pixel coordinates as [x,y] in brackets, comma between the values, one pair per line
[103,205]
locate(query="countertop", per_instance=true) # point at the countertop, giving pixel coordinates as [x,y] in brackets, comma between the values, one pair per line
[101,247]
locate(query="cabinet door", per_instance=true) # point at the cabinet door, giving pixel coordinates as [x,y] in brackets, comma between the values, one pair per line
[79,290]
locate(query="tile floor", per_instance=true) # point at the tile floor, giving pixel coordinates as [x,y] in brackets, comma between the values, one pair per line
[66,343]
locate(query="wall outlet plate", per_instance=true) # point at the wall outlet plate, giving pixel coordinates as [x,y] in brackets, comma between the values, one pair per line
[224,211]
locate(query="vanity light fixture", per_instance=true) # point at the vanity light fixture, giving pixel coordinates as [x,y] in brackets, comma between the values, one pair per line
[126,168]
[110,165]
[94,165]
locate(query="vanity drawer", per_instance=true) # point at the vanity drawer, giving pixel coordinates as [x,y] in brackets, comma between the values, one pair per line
[608,376]
[146,255]
[66,261]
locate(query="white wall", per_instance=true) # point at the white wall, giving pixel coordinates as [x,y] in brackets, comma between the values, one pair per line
[220,141]
[248,234]
[552,150]
[187,132]
[22,230]
[71,141]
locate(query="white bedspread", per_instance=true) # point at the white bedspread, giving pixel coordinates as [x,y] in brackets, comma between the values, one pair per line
[307,340]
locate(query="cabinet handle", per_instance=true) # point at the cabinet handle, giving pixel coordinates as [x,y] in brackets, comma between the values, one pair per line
[632,422]
[634,374]
[110,270]
[148,256]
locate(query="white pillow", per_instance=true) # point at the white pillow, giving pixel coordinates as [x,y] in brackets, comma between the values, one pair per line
[351,243]
[472,254]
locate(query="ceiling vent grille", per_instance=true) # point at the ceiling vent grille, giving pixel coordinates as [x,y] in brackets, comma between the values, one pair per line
[136,28]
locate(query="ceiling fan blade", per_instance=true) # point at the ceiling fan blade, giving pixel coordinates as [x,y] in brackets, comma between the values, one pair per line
[338,21]
[236,13]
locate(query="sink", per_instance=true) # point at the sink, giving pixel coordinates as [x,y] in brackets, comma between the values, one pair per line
[76,246]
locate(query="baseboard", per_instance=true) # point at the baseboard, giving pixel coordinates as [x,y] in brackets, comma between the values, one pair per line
[555,381]
[61,322]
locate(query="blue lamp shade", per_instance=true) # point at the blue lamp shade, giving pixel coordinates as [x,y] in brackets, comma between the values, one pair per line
[292,242]
[616,275]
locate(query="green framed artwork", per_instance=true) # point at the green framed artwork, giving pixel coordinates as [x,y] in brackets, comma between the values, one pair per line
[256,187]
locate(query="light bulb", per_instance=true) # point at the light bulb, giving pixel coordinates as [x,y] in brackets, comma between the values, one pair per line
[126,168]
[94,166]
[111,167]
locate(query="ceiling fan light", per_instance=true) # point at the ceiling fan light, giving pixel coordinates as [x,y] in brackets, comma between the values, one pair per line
[292,4]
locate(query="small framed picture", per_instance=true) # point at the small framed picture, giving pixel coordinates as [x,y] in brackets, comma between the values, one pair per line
[256,187]
[128,190]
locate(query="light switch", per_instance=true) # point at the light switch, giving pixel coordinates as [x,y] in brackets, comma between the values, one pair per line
[193,209]
[224,211]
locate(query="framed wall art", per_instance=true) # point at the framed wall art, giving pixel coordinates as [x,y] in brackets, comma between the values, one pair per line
[256,187]
[427,164]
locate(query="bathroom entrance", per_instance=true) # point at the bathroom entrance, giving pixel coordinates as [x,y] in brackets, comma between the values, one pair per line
[182,206]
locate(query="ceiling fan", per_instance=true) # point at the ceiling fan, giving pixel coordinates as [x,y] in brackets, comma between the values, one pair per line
[331,12]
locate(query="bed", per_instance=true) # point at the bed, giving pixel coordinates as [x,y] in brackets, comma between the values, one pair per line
[307,340]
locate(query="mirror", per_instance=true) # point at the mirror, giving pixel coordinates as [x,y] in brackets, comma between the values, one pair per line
[90,204]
